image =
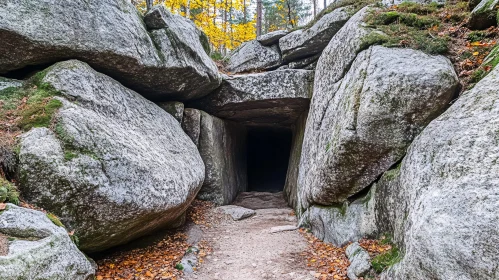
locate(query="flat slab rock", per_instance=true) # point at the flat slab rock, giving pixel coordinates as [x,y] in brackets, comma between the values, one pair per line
[274,98]
[165,59]
[237,212]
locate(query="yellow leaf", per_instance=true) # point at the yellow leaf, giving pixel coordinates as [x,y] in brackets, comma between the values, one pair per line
[476,53]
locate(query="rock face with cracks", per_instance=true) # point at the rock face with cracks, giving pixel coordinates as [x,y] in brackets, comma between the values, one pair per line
[272,98]
[362,124]
[302,43]
[111,36]
[38,249]
[253,56]
[448,181]
[114,166]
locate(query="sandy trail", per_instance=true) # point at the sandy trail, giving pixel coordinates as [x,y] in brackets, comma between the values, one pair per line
[246,249]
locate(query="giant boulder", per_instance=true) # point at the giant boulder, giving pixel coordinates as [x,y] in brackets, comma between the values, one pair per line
[448,181]
[302,43]
[274,98]
[222,145]
[38,249]
[362,124]
[113,166]
[484,15]
[253,56]
[111,36]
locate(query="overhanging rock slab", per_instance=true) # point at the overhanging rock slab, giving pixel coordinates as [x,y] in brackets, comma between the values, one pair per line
[274,98]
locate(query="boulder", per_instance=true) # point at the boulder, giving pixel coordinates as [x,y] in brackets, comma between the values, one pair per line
[253,56]
[302,63]
[342,224]
[449,181]
[37,248]
[303,43]
[361,125]
[237,212]
[359,261]
[484,15]
[191,124]
[176,109]
[271,38]
[222,145]
[291,185]
[274,98]
[111,36]
[8,83]
[113,165]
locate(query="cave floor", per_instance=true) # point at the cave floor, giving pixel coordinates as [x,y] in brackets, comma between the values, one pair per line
[247,250]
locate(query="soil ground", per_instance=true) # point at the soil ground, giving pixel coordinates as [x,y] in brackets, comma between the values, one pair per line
[247,250]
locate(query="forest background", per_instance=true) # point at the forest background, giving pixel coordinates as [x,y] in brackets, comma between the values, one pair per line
[229,23]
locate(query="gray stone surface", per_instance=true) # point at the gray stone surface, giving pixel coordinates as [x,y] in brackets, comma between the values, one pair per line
[114,167]
[271,38]
[176,109]
[38,249]
[111,36]
[222,145]
[308,42]
[291,185]
[361,125]
[359,261]
[253,56]
[237,212]
[274,98]
[191,124]
[449,181]
[302,63]
[8,83]
[484,15]
[342,224]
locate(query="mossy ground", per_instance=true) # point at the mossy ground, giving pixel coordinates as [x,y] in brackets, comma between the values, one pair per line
[435,29]
[8,192]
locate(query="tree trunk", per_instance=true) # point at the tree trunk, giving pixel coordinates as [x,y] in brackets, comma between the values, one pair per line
[314,2]
[325,4]
[258,18]
[149,4]
[188,9]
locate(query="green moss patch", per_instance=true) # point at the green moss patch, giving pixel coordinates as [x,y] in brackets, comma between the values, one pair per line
[405,28]
[8,192]
[54,219]
[386,260]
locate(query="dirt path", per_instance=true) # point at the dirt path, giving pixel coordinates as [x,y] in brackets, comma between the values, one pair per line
[247,250]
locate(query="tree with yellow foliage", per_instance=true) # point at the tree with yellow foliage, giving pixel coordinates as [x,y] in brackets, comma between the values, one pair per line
[225,22]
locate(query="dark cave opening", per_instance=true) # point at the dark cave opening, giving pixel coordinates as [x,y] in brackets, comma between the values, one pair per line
[268,158]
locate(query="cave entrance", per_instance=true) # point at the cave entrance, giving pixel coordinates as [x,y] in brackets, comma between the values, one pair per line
[268,158]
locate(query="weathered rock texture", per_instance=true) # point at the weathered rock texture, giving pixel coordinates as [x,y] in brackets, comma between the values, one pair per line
[176,109]
[271,38]
[38,249]
[308,42]
[362,124]
[484,15]
[449,182]
[110,36]
[359,261]
[115,166]
[342,224]
[291,185]
[8,83]
[222,145]
[191,124]
[274,98]
[253,56]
